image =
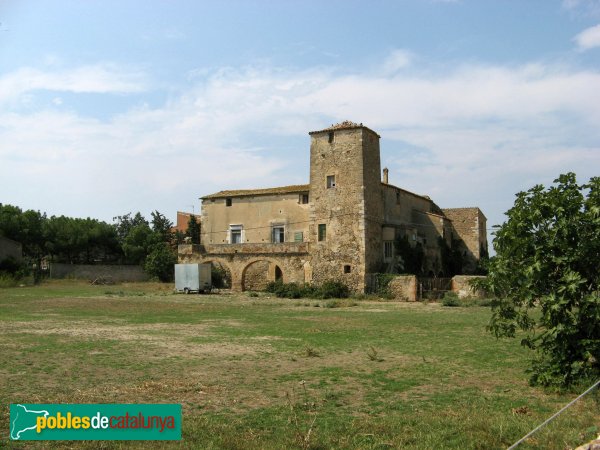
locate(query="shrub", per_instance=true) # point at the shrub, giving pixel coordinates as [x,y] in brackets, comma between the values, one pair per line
[451,299]
[329,289]
[8,281]
[332,289]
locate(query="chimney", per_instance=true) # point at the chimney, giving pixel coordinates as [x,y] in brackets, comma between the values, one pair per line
[385,175]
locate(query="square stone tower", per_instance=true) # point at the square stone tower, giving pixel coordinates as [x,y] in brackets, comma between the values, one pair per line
[346,204]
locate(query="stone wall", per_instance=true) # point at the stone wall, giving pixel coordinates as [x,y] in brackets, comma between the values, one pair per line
[352,246]
[257,276]
[404,288]
[461,284]
[469,226]
[245,262]
[91,272]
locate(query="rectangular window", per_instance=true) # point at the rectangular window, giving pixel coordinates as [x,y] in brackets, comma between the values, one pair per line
[304,199]
[397,198]
[388,249]
[330,136]
[322,232]
[298,236]
[278,234]
[228,202]
[330,181]
[235,234]
[347,269]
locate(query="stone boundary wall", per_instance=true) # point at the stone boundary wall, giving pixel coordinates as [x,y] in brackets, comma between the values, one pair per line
[404,288]
[461,284]
[117,273]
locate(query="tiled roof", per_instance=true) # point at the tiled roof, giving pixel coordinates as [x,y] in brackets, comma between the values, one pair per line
[345,125]
[266,191]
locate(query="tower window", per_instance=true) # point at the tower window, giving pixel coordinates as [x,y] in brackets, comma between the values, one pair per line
[330,137]
[330,181]
[347,268]
[228,202]
[322,232]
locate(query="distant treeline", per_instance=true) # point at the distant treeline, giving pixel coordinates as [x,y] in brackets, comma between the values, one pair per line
[131,239]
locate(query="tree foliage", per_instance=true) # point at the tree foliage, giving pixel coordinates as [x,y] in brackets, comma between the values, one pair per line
[193,230]
[545,278]
[160,262]
[131,239]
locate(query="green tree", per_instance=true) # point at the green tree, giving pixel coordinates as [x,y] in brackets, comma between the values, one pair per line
[545,278]
[162,226]
[193,230]
[160,262]
[124,224]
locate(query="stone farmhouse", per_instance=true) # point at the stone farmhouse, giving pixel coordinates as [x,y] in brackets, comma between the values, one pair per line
[342,225]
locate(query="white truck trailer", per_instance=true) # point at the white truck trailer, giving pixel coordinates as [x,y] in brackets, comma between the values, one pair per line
[193,278]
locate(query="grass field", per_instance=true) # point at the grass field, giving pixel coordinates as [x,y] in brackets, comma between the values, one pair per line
[259,372]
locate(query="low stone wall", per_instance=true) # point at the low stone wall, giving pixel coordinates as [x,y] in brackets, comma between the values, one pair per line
[404,288]
[91,272]
[461,284]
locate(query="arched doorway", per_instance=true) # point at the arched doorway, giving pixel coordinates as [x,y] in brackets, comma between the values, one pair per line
[221,275]
[258,274]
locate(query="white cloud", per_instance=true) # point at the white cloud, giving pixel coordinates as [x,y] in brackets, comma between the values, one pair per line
[101,78]
[398,59]
[590,8]
[471,136]
[588,38]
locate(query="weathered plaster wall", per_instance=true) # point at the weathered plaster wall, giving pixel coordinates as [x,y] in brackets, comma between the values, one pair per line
[257,214]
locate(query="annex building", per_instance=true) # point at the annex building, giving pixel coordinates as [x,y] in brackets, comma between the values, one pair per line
[342,225]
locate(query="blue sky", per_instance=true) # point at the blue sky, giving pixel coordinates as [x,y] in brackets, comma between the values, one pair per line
[108,107]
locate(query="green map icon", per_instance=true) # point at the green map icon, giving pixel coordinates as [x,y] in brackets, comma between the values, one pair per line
[23,420]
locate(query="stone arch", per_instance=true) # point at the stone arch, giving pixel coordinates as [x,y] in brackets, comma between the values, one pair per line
[260,271]
[222,273]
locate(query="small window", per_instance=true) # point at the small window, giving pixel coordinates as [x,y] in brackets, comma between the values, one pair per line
[347,269]
[228,202]
[322,232]
[330,181]
[397,197]
[331,137]
[235,234]
[388,249]
[298,236]
[278,234]
[304,199]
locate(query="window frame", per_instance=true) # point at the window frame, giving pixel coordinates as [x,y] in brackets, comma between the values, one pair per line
[238,228]
[388,245]
[278,226]
[322,232]
[331,183]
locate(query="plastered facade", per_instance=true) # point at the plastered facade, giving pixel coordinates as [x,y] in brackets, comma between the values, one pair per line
[340,226]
